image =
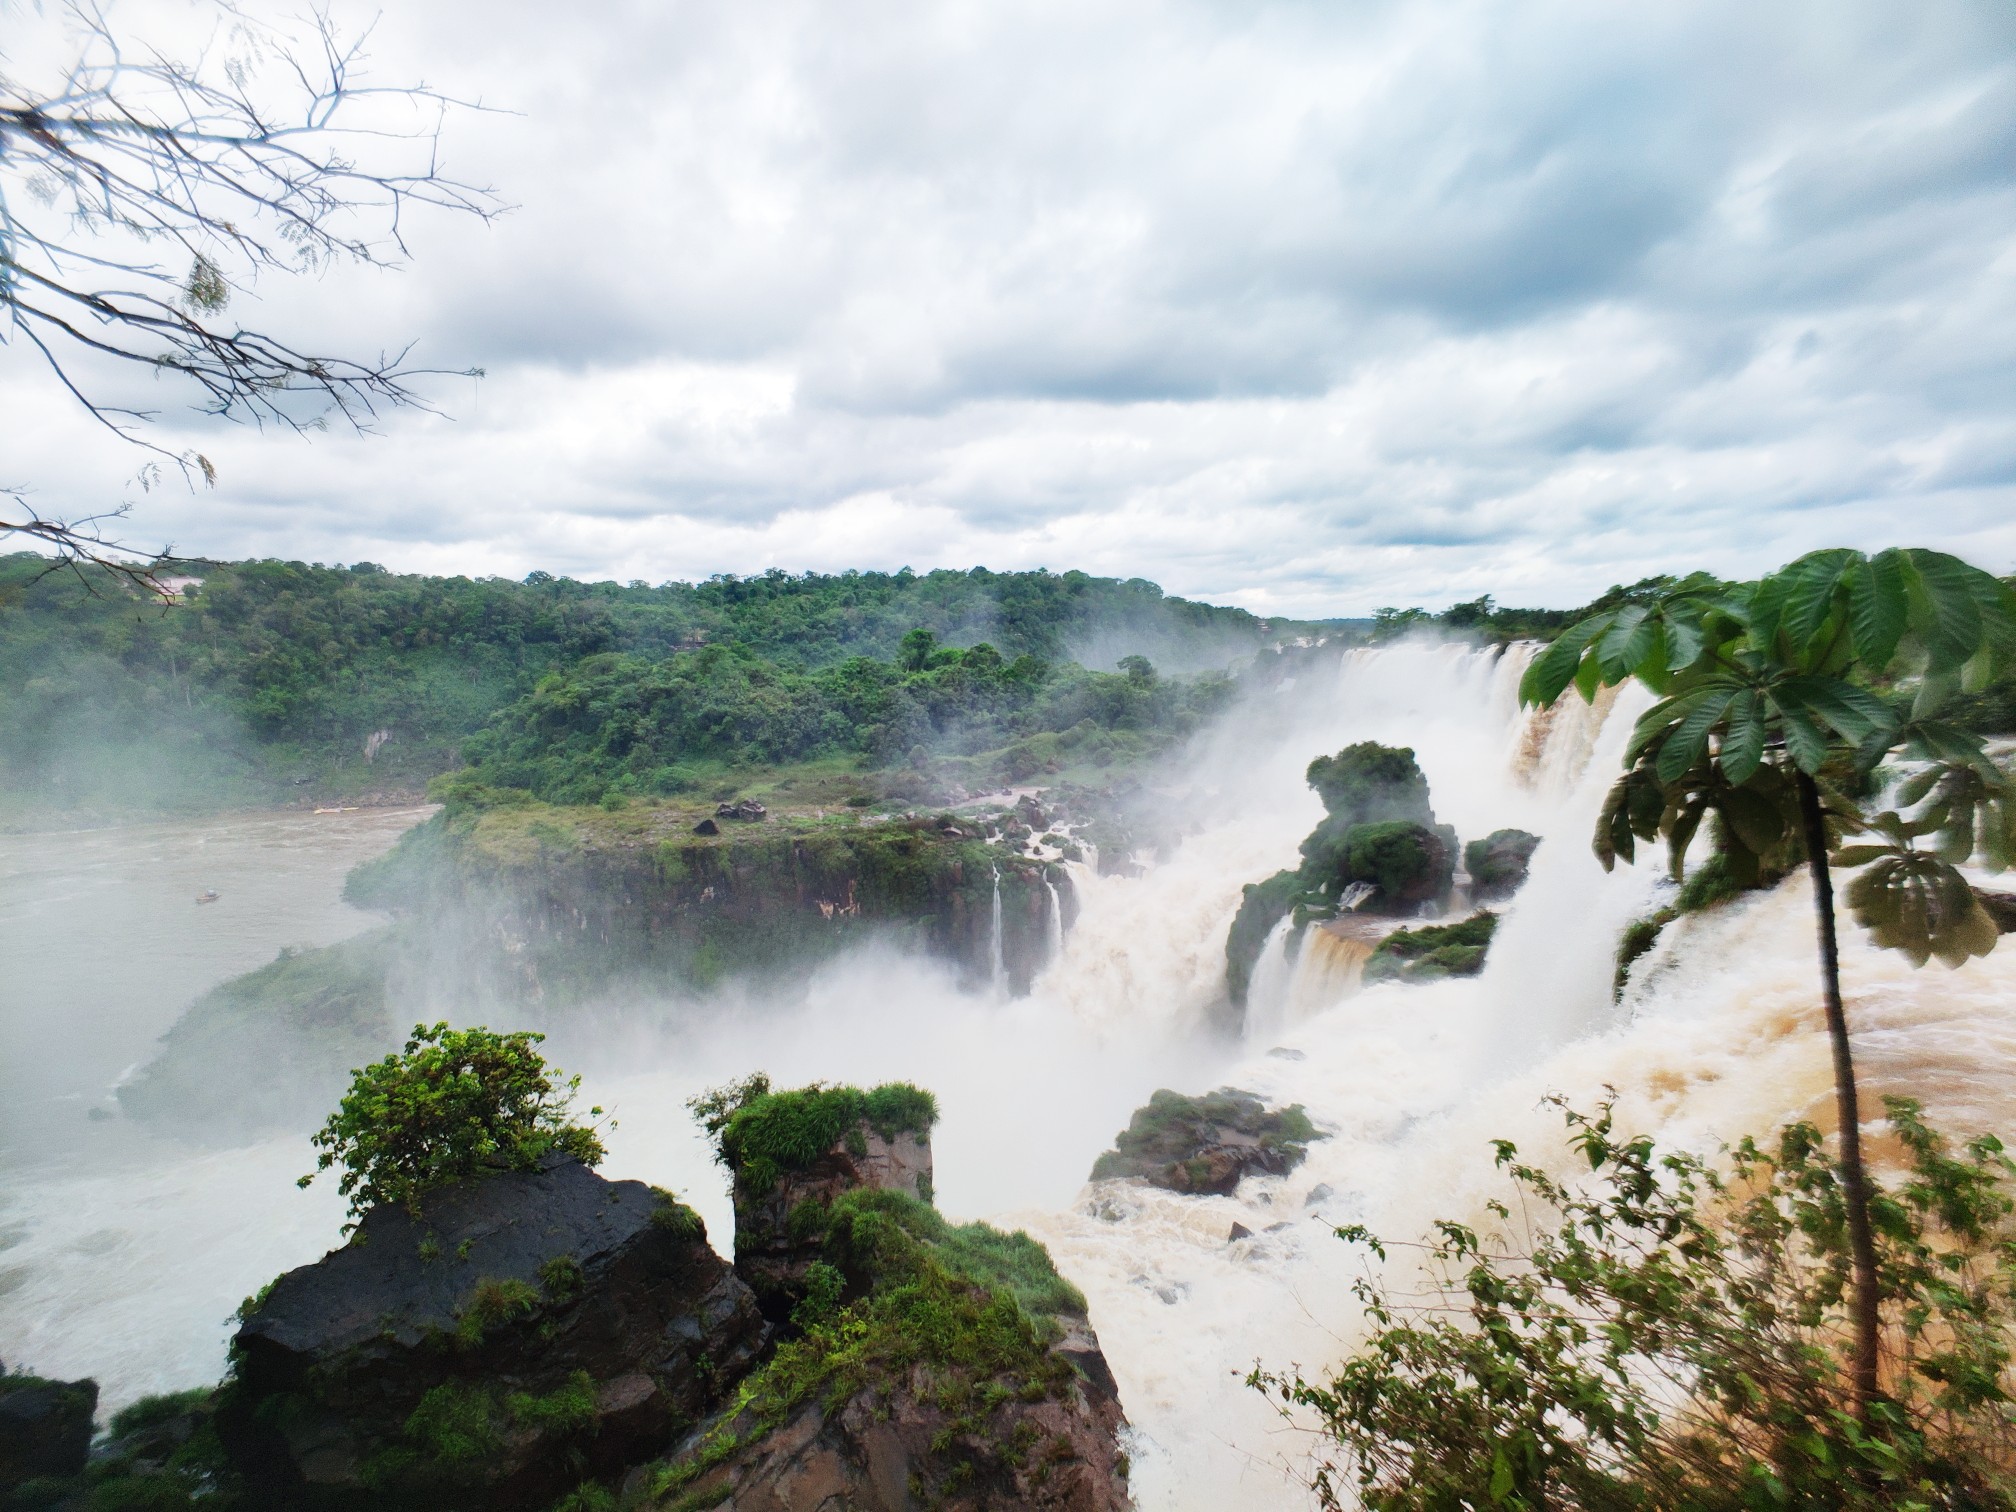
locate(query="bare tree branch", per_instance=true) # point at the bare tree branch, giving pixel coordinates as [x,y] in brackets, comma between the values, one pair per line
[141,191]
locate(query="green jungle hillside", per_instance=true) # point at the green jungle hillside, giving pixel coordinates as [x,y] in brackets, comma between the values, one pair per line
[279,681]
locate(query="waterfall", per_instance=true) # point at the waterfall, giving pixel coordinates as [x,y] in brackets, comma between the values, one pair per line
[1268,989]
[1053,927]
[999,954]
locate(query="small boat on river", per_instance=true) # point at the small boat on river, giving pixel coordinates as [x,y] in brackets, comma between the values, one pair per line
[208,895]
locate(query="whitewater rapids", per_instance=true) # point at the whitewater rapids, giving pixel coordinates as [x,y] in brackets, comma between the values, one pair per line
[130,1273]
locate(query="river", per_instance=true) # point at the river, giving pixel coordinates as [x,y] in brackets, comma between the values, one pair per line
[104,945]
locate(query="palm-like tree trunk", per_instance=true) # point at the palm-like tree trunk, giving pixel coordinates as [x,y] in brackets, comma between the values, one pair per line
[1854,1181]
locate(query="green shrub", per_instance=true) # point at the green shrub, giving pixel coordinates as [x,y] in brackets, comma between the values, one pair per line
[1433,951]
[1409,863]
[759,1134]
[456,1103]
[1669,1335]
[1368,782]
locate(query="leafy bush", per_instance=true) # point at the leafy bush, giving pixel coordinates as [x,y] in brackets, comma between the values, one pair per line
[1409,863]
[1369,782]
[455,1103]
[759,1134]
[1670,1336]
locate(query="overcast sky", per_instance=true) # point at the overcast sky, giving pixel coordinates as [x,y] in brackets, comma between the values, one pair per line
[1306,307]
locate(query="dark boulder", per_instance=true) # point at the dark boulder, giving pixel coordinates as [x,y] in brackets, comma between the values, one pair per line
[1208,1144]
[45,1427]
[488,1349]
[1498,864]
[706,827]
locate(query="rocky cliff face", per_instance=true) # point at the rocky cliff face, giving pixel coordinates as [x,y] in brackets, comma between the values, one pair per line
[564,905]
[777,1237]
[487,1350]
[951,1368]
[559,904]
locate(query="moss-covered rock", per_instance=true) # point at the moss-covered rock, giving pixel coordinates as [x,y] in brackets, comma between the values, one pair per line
[792,1154]
[1433,951]
[262,1046]
[951,1366]
[1207,1144]
[1262,905]
[1368,782]
[1498,864]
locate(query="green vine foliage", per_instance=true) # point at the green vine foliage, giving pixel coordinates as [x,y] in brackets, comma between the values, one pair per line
[1669,1335]
[454,1104]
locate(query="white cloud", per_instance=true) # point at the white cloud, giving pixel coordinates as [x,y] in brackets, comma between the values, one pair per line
[1310,308]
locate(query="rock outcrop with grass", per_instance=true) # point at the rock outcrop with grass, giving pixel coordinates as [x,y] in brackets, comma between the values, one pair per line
[922,1363]
[1498,864]
[792,1153]
[1208,1144]
[1430,952]
[485,1345]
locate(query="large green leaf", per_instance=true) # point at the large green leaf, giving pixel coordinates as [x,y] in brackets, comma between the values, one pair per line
[1626,643]
[1689,740]
[1803,740]
[1553,669]
[1915,902]
[1743,745]
[1809,597]
[1766,610]
[1684,639]
[1753,819]
[1943,610]
[1852,712]
[1877,611]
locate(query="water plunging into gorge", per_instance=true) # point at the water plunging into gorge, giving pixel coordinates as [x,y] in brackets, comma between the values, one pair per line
[128,1271]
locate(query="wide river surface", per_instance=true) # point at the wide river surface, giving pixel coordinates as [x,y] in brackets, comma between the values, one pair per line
[102,945]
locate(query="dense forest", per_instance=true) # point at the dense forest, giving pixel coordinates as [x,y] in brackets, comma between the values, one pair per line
[274,679]
[270,681]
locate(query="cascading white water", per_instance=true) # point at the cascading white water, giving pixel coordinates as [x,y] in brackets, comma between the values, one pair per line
[998,954]
[131,1275]
[1053,925]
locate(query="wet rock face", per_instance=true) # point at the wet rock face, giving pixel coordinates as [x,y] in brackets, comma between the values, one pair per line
[774,1249]
[877,1453]
[1207,1145]
[484,1353]
[45,1427]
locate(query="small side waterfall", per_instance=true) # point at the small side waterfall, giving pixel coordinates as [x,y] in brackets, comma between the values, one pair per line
[1331,967]
[1053,926]
[1268,988]
[999,952]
